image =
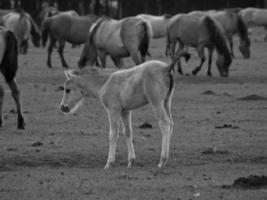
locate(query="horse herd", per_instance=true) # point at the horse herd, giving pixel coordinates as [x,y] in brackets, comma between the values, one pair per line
[126,89]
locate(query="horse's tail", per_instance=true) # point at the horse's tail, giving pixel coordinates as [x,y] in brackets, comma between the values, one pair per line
[89,44]
[146,40]
[9,64]
[45,30]
[182,53]
[217,37]
[242,29]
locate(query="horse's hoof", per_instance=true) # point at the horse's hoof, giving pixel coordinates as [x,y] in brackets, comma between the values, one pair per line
[209,74]
[21,126]
[194,72]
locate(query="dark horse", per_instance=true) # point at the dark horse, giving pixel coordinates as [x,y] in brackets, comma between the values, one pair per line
[9,67]
[62,28]
[199,32]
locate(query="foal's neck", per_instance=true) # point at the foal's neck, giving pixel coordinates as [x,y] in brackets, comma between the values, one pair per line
[95,79]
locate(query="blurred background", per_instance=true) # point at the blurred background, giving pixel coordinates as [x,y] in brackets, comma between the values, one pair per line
[123,8]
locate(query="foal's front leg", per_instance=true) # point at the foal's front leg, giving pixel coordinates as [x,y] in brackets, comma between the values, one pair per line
[114,124]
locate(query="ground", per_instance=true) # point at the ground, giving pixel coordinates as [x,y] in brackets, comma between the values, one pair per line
[220,134]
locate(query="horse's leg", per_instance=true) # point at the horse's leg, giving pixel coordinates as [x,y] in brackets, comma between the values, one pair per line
[179,66]
[49,51]
[126,119]
[16,96]
[211,49]
[231,44]
[1,104]
[114,124]
[136,57]
[103,58]
[165,127]
[60,52]
[200,50]
[118,62]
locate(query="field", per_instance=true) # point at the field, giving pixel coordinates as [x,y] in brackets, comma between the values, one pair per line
[220,134]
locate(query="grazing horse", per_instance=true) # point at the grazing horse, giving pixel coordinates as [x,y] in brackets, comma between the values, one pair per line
[254,17]
[9,67]
[117,38]
[23,27]
[62,28]
[231,23]
[199,32]
[123,91]
[158,24]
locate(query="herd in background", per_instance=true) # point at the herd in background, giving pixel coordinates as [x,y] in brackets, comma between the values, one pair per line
[131,36]
[128,89]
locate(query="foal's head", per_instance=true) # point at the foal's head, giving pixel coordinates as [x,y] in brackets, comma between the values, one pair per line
[73,94]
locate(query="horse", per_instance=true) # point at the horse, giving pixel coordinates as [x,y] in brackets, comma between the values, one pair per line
[46,11]
[158,24]
[117,38]
[62,28]
[199,32]
[254,17]
[9,67]
[23,27]
[231,24]
[121,92]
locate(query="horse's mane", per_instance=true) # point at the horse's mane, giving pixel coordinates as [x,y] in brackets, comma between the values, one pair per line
[167,16]
[232,10]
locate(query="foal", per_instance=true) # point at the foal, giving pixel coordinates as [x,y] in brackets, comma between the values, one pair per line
[149,83]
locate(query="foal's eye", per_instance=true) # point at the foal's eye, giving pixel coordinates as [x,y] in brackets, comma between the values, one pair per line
[67,91]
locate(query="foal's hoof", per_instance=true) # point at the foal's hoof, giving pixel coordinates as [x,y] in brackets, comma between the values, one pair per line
[109,165]
[162,162]
[130,162]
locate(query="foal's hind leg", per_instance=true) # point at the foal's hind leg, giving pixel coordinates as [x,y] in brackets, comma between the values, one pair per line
[127,122]
[60,52]
[200,50]
[1,104]
[49,51]
[16,95]
[166,128]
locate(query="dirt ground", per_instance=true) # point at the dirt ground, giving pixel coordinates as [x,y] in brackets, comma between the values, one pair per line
[220,134]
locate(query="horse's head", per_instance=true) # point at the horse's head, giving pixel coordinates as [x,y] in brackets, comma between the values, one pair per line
[244,48]
[223,63]
[73,93]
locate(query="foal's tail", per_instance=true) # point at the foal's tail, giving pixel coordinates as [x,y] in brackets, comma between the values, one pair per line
[217,38]
[9,64]
[45,30]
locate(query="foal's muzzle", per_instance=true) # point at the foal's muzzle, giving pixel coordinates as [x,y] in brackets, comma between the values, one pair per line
[64,109]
